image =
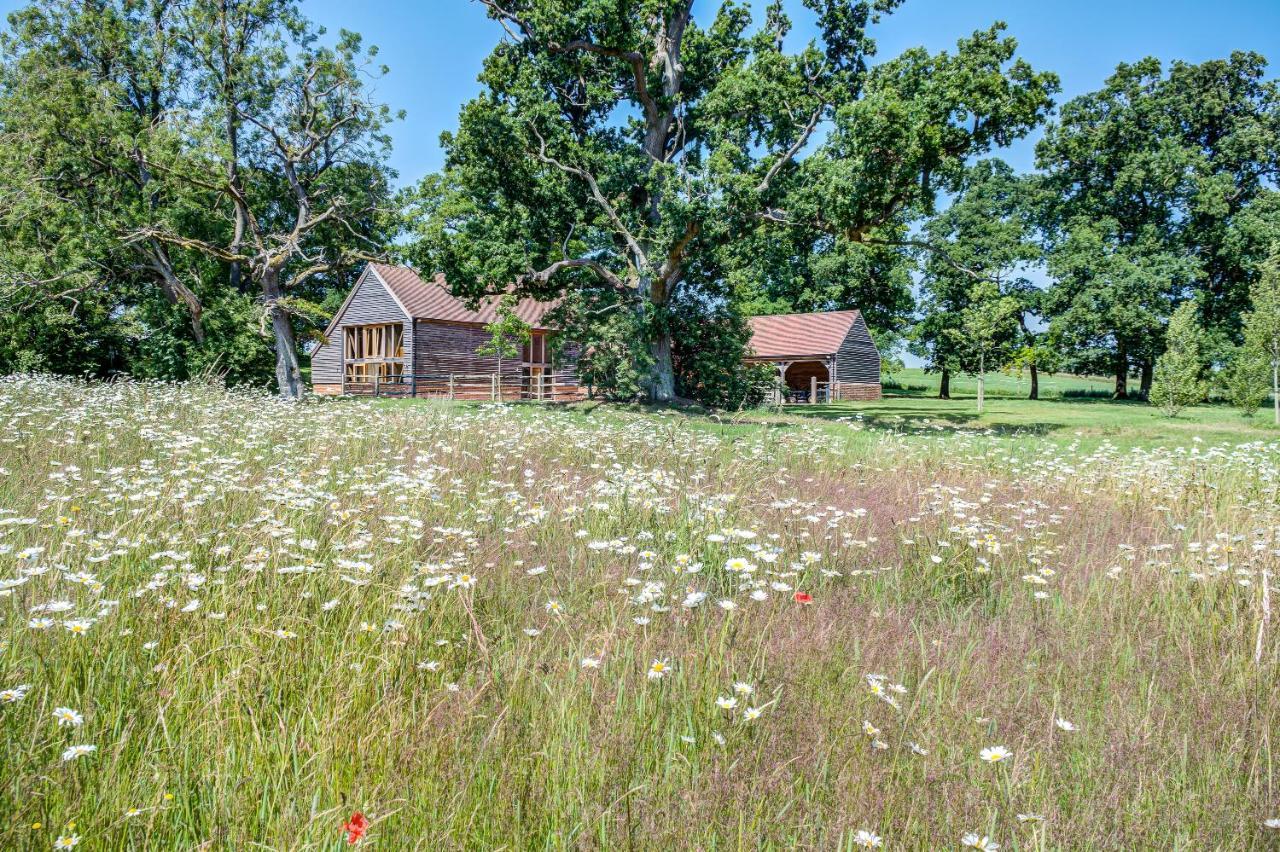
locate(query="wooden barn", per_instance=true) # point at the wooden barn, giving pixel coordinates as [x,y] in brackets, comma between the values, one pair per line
[397,334]
[400,335]
[820,357]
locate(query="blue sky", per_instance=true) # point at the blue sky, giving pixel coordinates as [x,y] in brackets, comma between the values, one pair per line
[435,47]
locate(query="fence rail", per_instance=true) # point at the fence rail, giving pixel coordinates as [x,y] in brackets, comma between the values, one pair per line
[560,386]
[816,392]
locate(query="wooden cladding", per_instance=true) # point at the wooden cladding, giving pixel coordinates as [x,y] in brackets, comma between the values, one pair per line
[373,352]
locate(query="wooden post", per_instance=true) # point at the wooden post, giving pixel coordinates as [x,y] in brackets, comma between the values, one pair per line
[413,385]
[553,384]
[813,390]
[375,383]
[451,386]
[493,388]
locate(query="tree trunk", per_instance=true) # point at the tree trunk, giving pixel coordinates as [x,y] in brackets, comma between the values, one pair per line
[177,292]
[944,387]
[1035,382]
[1148,376]
[662,386]
[982,381]
[1275,389]
[1122,373]
[288,371]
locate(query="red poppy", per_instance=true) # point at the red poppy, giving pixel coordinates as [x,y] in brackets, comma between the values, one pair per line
[804,597]
[355,828]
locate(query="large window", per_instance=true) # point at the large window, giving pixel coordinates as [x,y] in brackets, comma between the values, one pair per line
[373,352]
[535,368]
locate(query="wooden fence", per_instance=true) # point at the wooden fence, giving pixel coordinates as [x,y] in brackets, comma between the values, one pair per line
[560,386]
[817,392]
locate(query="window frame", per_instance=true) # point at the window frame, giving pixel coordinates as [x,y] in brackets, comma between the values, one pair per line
[372,352]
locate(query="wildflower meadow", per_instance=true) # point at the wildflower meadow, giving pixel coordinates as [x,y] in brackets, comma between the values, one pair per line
[230,622]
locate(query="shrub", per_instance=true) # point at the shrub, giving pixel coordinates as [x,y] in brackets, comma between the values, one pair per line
[1176,383]
[1247,380]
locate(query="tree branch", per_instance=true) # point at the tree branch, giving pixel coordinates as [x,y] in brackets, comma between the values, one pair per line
[595,266]
[641,259]
[791,152]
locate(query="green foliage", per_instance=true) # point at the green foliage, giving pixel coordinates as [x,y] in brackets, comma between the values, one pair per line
[974,299]
[1157,188]
[615,361]
[708,358]
[1246,380]
[1262,322]
[1177,381]
[507,333]
[163,163]
[634,151]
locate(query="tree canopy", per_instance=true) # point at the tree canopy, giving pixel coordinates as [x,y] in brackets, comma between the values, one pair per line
[640,159]
[191,186]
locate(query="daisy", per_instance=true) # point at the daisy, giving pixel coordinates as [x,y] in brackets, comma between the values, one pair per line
[67,716]
[982,844]
[65,841]
[726,702]
[78,626]
[743,688]
[14,694]
[867,839]
[590,662]
[1065,725]
[751,714]
[658,669]
[77,751]
[995,754]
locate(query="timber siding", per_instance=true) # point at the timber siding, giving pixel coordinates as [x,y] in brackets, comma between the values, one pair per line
[445,348]
[369,303]
[827,354]
[441,336]
[857,365]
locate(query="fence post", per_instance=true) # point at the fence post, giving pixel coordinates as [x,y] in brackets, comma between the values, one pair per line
[451,386]
[493,388]
[375,385]
[553,385]
[813,390]
[413,385]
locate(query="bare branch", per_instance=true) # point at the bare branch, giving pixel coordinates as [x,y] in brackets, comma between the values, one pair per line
[788,155]
[640,258]
[143,234]
[602,271]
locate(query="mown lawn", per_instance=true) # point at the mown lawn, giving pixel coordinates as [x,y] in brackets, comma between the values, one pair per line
[914,381]
[1062,420]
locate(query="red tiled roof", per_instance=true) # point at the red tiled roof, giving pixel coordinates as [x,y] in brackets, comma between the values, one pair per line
[431,300]
[800,334]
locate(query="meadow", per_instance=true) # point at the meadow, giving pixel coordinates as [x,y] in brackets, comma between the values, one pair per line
[228,622]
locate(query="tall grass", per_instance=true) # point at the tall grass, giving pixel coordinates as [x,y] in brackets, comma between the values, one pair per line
[447,618]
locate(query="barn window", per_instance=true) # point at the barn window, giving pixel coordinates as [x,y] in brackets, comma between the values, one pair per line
[373,352]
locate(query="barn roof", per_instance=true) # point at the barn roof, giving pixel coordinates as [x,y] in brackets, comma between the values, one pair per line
[786,335]
[431,300]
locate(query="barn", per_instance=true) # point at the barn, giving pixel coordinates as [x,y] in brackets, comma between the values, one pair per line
[398,334]
[820,357]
